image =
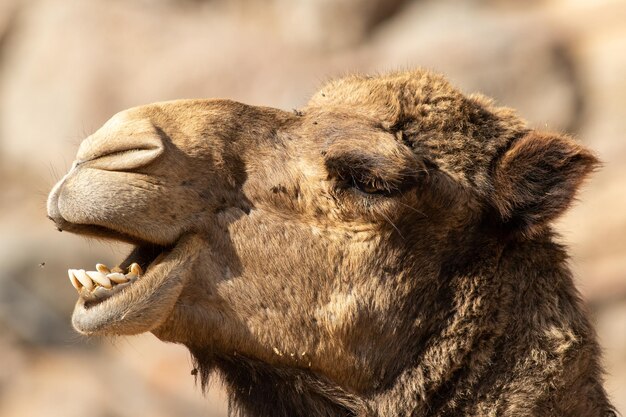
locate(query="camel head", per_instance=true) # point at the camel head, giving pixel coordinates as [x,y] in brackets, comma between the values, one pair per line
[320,244]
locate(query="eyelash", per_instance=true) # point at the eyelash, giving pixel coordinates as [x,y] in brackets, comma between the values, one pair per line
[363,190]
[369,189]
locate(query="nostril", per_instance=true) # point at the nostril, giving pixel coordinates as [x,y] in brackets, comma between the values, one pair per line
[125,159]
[137,143]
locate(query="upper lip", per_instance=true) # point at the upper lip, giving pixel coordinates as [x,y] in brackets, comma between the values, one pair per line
[96,231]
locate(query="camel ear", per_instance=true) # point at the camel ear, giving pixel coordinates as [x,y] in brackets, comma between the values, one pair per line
[537,178]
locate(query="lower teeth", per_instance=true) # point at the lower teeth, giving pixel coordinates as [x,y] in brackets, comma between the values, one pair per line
[101,283]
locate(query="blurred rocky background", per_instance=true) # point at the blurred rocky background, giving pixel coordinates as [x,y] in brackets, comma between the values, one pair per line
[66,66]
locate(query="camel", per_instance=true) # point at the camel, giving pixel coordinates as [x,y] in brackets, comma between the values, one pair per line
[386,250]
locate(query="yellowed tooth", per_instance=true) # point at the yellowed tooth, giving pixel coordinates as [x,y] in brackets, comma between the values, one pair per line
[73,280]
[100,278]
[117,269]
[117,277]
[134,268]
[102,268]
[100,292]
[130,276]
[82,277]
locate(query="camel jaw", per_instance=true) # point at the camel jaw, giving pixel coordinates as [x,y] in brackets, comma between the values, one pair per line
[138,302]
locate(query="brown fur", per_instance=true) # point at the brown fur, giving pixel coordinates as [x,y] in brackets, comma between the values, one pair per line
[386,251]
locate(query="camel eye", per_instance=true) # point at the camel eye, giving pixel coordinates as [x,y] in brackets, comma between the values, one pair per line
[369,190]
[367,187]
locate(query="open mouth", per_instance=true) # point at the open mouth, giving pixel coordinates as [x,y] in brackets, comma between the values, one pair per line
[96,286]
[151,280]
[139,294]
